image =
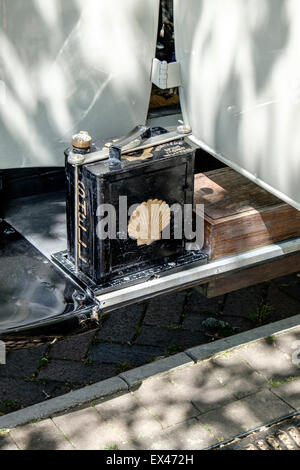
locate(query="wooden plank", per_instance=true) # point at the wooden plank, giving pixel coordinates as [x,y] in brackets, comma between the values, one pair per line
[241,216]
[226,193]
[252,276]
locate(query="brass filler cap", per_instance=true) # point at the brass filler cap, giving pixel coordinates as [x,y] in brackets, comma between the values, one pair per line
[82,140]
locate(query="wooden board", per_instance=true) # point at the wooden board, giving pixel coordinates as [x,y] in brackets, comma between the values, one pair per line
[241,216]
[251,276]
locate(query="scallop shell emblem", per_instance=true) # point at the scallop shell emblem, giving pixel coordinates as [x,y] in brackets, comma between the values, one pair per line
[148,221]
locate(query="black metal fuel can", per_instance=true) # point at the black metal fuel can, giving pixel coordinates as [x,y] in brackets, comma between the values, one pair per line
[130,216]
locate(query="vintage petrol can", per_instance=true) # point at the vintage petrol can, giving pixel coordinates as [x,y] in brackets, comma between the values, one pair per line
[130,211]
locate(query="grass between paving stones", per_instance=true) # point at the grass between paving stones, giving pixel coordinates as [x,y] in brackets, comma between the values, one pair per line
[94,341]
[270,340]
[123,367]
[279,383]
[184,308]
[65,436]
[44,361]
[13,405]
[207,428]
[262,314]
[4,432]
[138,329]
[36,380]
[113,447]
[293,283]
[174,349]
[264,310]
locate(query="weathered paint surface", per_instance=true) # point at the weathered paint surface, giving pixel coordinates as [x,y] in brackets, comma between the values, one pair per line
[240,62]
[71,65]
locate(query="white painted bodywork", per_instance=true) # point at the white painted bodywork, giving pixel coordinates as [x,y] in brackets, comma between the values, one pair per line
[71,65]
[240,68]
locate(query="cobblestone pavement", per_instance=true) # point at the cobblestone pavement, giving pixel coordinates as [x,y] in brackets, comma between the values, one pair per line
[137,335]
[191,407]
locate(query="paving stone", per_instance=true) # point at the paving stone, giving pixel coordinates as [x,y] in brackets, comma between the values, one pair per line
[193,321]
[170,339]
[198,309]
[74,348]
[243,415]
[282,305]
[116,406]
[189,435]
[266,359]
[165,310]
[199,384]
[77,372]
[236,376]
[236,324]
[290,393]
[87,430]
[122,353]
[158,442]
[198,304]
[105,390]
[6,443]
[40,436]
[244,302]
[290,279]
[17,393]
[126,411]
[161,398]
[120,325]
[186,401]
[289,342]
[175,399]
[22,363]
[157,368]
[290,285]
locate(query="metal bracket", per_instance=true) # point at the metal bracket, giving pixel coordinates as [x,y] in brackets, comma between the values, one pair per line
[166,75]
[136,140]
